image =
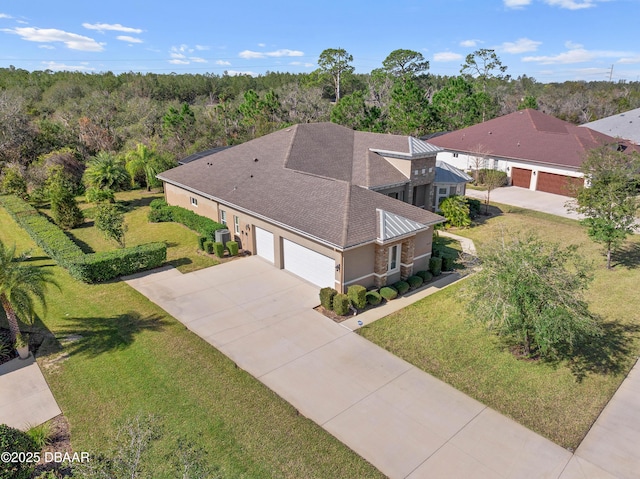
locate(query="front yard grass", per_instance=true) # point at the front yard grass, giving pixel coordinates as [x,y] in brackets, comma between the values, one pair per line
[130,358]
[558,400]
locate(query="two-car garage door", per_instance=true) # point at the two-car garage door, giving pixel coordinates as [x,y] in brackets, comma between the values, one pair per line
[548,182]
[308,264]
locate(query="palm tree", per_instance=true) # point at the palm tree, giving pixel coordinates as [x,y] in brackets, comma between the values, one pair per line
[20,285]
[147,161]
[105,171]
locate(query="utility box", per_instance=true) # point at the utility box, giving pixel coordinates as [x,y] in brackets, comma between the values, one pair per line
[222,236]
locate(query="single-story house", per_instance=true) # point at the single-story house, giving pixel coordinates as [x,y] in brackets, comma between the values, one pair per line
[537,151]
[334,206]
[623,125]
[449,181]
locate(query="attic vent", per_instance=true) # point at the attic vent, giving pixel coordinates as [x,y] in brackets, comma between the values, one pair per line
[491,133]
[255,160]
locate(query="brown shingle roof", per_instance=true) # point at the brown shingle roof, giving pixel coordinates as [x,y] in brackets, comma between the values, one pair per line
[526,135]
[306,178]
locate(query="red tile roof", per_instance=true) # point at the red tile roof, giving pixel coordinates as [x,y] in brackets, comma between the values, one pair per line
[526,135]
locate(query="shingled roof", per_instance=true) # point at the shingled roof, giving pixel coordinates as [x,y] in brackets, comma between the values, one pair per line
[309,178]
[527,135]
[623,125]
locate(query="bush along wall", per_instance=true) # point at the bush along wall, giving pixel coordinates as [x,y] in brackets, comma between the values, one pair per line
[90,268]
[161,212]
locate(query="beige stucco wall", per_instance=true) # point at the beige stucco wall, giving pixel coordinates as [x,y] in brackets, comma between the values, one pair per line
[422,251]
[179,197]
[358,265]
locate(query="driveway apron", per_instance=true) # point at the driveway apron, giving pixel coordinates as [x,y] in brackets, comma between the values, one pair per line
[402,420]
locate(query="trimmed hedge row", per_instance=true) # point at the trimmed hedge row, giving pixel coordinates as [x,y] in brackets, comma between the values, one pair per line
[161,212]
[90,268]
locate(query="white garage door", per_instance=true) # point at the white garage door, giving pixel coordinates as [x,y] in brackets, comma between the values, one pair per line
[264,244]
[314,267]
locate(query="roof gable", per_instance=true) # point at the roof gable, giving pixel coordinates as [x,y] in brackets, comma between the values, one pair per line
[392,226]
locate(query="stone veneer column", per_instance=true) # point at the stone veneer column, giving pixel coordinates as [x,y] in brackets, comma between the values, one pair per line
[406,258]
[380,265]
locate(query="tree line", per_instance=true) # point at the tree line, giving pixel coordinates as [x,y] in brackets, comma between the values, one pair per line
[69,118]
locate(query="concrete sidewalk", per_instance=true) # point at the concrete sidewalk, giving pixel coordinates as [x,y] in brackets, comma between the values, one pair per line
[525,198]
[25,397]
[405,422]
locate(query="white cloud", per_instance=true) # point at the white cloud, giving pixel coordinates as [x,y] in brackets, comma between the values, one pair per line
[180,56]
[516,3]
[303,64]
[47,47]
[201,48]
[630,60]
[446,57]
[223,63]
[249,54]
[576,55]
[4,15]
[234,73]
[571,4]
[127,38]
[262,45]
[197,60]
[176,55]
[178,61]
[521,45]
[72,41]
[64,67]
[116,27]
[469,43]
[573,46]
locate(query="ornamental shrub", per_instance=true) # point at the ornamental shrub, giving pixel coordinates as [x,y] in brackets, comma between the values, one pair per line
[435,266]
[425,275]
[201,224]
[357,295]
[341,304]
[99,195]
[218,249]
[158,203]
[474,206]
[373,298]
[13,440]
[326,297]
[232,246]
[414,281]
[401,286]
[201,241]
[456,209]
[208,246]
[388,293]
[447,263]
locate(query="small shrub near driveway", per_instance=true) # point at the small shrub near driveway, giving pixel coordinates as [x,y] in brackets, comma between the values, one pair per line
[208,247]
[326,297]
[201,242]
[373,298]
[425,275]
[401,287]
[232,246]
[357,295]
[414,281]
[435,266]
[447,263]
[341,304]
[388,293]
[218,249]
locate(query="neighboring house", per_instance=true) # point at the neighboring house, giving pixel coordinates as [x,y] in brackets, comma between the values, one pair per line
[623,125]
[449,181]
[321,201]
[537,151]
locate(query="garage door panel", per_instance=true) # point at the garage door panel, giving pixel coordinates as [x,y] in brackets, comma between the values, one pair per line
[520,177]
[264,244]
[316,268]
[558,184]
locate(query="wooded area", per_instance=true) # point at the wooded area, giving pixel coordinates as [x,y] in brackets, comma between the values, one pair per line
[66,118]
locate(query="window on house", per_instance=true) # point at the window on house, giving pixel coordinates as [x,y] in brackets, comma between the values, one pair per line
[236,224]
[442,191]
[455,155]
[394,259]
[424,171]
[415,172]
[430,169]
[452,190]
[194,201]
[223,217]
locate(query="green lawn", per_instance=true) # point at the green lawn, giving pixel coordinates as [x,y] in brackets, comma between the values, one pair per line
[559,401]
[134,359]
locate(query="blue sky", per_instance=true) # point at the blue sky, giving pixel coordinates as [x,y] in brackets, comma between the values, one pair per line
[549,40]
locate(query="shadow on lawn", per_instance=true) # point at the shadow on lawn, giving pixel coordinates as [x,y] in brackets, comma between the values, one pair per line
[608,354]
[628,256]
[94,336]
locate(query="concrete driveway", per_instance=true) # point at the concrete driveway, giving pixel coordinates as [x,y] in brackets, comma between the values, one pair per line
[405,422]
[531,200]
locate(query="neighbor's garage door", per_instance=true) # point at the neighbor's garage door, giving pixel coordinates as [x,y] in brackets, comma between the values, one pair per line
[558,184]
[264,244]
[314,267]
[520,177]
